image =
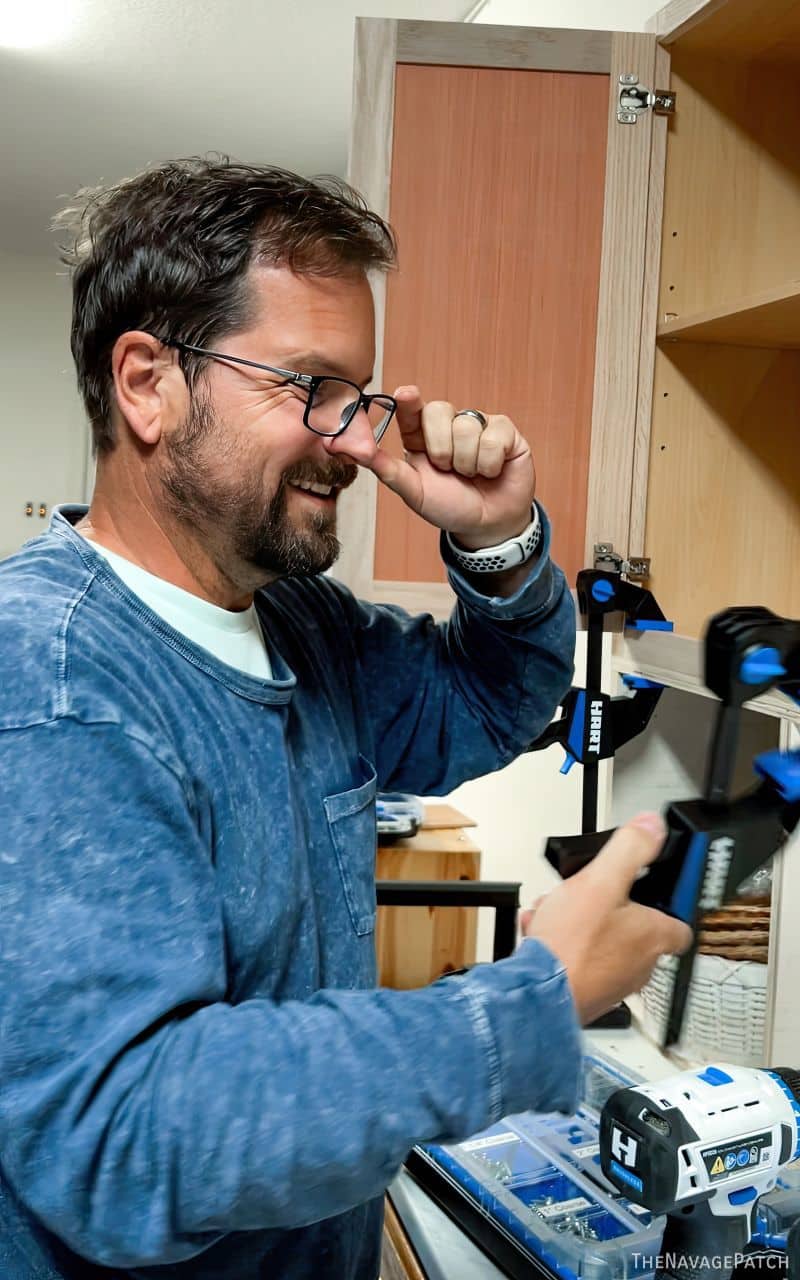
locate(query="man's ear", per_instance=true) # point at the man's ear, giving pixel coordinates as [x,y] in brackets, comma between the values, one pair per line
[150,388]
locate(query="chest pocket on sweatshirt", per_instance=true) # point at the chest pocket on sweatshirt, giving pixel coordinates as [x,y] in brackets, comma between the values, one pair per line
[352,824]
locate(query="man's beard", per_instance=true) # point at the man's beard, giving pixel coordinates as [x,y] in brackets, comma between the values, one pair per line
[234,521]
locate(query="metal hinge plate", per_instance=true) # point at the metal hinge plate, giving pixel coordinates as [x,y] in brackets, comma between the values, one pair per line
[607,559]
[635,99]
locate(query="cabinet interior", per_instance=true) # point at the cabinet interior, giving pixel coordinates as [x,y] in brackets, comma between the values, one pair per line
[723,512]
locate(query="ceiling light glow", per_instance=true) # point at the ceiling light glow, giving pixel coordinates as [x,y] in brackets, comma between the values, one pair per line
[32,24]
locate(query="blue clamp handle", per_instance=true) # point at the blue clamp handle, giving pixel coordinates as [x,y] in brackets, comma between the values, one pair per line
[782,768]
[650,624]
[761,665]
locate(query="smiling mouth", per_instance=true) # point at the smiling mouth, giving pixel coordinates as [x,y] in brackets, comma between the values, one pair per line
[316,490]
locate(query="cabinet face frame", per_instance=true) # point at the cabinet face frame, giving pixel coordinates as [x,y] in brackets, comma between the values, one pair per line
[679,16]
[625,342]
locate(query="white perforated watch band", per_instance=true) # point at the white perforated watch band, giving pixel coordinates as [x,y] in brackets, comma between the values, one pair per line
[506,555]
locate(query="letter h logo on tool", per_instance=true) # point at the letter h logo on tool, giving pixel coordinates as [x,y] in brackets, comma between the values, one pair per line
[624,1147]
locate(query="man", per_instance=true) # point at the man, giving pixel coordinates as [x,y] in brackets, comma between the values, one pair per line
[197,1078]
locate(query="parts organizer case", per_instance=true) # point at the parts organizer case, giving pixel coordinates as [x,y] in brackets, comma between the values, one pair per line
[530,1192]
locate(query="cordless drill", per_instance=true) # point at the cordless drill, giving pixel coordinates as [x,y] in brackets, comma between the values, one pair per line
[702,1148]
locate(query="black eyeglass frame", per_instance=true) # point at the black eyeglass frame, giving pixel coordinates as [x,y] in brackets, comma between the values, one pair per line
[310,382]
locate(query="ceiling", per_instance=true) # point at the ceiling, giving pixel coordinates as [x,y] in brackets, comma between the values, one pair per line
[130,82]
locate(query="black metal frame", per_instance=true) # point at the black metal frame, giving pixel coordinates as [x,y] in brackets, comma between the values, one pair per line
[505,1252]
[501,894]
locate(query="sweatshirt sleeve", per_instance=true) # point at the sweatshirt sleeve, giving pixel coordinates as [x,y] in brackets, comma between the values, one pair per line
[142,1115]
[453,701]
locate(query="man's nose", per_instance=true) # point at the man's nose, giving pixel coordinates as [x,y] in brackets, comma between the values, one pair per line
[356,443]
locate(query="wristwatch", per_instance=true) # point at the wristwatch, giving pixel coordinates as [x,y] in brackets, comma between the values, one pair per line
[506,555]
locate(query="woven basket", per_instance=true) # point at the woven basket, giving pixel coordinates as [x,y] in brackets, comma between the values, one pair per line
[725,1012]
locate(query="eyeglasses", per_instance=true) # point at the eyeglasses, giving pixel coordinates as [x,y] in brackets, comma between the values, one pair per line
[331,403]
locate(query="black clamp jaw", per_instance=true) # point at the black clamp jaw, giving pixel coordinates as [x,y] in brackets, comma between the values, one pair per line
[593,725]
[716,842]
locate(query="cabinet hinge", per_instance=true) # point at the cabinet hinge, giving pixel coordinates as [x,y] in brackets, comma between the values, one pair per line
[635,99]
[606,558]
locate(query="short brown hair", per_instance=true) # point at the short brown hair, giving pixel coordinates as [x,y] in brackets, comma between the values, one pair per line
[168,252]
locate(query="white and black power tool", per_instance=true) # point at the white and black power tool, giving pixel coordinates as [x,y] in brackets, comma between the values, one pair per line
[702,1148]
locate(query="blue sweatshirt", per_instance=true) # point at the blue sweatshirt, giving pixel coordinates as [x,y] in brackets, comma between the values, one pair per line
[197,1076]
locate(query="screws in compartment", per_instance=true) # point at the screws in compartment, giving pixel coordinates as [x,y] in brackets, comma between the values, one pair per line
[570,1225]
[536,1206]
[499,1169]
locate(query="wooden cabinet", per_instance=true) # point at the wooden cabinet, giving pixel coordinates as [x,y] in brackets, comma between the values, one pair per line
[398,1260]
[416,945]
[722,512]
[626,285]
[628,292]
[521,207]
[723,509]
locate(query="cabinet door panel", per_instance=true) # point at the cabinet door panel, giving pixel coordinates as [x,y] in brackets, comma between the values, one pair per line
[521,206]
[499,213]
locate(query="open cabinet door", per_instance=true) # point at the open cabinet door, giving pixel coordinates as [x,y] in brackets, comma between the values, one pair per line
[528,218]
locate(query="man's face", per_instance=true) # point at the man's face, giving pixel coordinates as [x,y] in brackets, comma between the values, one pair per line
[236,467]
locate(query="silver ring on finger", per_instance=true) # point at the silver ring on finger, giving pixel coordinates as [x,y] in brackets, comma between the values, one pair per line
[473,413]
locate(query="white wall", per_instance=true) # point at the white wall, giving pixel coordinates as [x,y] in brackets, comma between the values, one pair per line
[43,437]
[592,15]
[515,811]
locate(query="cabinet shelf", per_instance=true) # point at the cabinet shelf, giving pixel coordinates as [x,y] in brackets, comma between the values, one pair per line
[677,662]
[768,319]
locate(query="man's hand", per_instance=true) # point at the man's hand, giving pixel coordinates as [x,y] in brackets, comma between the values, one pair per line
[477,483]
[608,944]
